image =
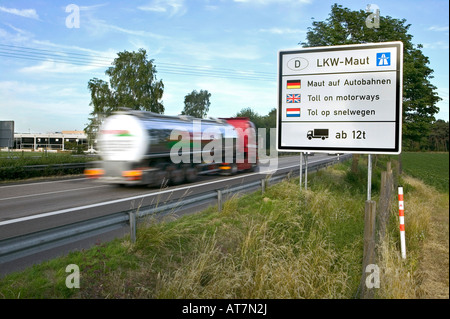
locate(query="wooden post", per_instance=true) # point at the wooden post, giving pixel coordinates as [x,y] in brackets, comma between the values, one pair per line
[369,247]
[384,205]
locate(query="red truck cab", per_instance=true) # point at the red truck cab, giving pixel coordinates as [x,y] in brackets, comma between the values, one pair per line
[246,146]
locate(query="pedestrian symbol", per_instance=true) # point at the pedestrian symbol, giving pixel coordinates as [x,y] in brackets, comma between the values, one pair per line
[384,59]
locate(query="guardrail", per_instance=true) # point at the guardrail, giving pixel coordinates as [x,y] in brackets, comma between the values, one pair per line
[55,166]
[25,245]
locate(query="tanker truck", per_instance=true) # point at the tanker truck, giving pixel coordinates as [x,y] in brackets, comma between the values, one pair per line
[146,148]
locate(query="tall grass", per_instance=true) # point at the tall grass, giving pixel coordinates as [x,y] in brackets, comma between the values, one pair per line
[279,253]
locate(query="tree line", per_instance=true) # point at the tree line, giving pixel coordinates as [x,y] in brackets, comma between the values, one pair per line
[133,83]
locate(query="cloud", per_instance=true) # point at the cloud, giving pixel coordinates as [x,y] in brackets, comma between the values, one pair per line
[20,37]
[267,2]
[438,29]
[436,45]
[108,54]
[43,107]
[261,98]
[100,27]
[51,66]
[26,13]
[281,31]
[173,7]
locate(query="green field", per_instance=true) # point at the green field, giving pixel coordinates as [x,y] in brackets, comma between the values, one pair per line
[432,168]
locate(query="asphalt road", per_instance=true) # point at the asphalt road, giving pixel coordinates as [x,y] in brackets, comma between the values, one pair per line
[27,207]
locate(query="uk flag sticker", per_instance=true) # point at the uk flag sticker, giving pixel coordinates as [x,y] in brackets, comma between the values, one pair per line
[384,59]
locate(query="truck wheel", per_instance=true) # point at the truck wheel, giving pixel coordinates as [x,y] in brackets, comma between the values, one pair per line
[173,175]
[191,174]
[234,169]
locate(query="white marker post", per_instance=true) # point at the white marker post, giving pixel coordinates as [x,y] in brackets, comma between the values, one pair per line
[401,214]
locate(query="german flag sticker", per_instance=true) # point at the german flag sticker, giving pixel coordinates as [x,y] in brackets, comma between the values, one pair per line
[293,84]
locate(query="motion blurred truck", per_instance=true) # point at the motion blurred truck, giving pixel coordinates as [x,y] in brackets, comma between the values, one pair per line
[145,148]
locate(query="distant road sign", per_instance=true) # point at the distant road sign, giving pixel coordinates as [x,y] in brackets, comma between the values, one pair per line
[351,92]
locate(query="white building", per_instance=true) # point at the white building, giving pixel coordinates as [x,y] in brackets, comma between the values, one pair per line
[49,141]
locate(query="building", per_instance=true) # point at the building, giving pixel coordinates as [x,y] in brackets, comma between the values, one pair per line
[50,141]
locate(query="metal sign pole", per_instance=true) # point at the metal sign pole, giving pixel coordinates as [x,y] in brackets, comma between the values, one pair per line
[301,170]
[369,177]
[306,171]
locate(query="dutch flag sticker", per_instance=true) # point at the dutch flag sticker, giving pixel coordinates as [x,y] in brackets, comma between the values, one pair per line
[293,112]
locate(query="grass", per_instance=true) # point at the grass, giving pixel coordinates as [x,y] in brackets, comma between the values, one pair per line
[284,244]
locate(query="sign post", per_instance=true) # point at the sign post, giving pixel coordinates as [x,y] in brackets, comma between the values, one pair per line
[341,99]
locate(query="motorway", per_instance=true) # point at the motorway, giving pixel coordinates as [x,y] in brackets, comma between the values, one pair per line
[27,207]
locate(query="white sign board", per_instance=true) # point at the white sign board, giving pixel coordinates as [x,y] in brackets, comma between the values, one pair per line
[344,99]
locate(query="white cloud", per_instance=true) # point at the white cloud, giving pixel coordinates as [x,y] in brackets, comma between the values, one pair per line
[20,37]
[13,88]
[95,53]
[217,51]
[266,2]
[99,27]
[438,29]
[173,7]
[43,107]
[437,45]
[281,31]
[234,94]
[26,13]
[51,66]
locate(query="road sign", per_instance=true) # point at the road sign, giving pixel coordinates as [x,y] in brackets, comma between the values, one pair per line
[341,99]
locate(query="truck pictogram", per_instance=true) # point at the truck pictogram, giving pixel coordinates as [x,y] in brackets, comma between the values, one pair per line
[317,133]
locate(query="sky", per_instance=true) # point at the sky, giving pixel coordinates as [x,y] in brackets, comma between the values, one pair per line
[49,50]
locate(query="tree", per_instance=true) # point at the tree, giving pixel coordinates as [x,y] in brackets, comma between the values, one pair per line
[252,116]
[133,80]
[132,85]
[438,139]
[197,104]
[419,95]
[261,121]
[103,105]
